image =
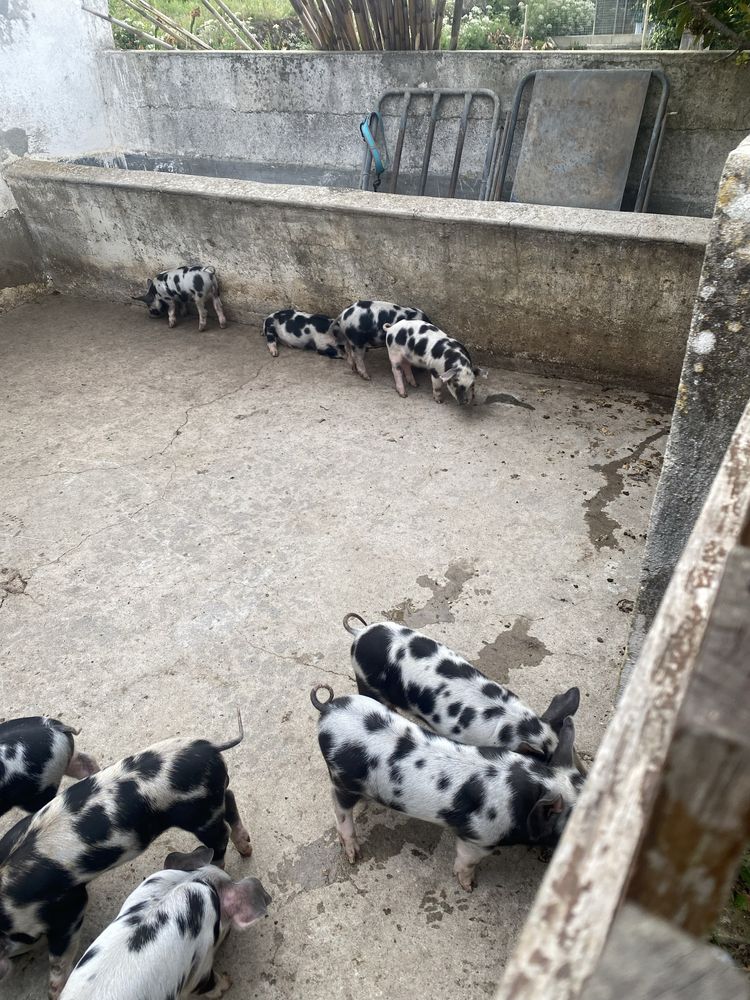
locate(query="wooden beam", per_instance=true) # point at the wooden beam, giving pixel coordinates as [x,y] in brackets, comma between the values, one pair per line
[700,823]
[647,959]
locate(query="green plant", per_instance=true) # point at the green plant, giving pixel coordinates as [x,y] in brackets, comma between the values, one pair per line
[719,23]
[560,17]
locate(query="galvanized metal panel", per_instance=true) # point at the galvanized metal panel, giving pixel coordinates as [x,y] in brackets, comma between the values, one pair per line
[579,137]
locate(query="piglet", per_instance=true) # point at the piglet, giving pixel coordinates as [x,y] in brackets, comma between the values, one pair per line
[98,823]
[423,345]
[362,325]
[487,796]
[309,331]
[171,291]
[35,753]
[407,670]
[164,939]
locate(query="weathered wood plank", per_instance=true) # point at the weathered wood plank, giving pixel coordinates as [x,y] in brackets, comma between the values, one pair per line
[647,959]
[565,933]
[701,819]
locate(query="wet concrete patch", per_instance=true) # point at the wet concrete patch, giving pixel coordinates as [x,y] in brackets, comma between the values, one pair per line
[438,608]
[601,526]
[513,648]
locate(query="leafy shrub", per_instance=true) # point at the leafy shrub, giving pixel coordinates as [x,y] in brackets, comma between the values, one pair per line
[560,17]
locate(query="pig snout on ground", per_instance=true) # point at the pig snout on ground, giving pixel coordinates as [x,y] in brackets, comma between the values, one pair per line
[35,753]
[409,671]
[172,291]
[164,940]
[100,822]
[488,796]
[423,345]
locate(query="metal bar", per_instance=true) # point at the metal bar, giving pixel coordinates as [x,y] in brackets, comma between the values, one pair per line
[654,144]
[647,196]
[428,142]
[460,140]
[500,148]
[225,24]
[240,26]
[497,193]
[400,141]
[490,154]
[129,27]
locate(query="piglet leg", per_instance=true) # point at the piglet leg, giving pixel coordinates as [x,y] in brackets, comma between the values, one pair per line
[220,312]
[343,808]
[237,831]
[63,933]
[398,375]
[172,309]
[202,314]
[81,765]
[468,856]
[437,389]
[359,362]
[408,373]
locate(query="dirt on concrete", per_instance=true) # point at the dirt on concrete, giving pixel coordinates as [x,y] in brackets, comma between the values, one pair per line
[184,523]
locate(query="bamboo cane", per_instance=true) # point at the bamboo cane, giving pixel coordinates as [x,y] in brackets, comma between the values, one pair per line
[129,27]
[169,22]
[162,25]
[225,24]
[457,13]
[240,26]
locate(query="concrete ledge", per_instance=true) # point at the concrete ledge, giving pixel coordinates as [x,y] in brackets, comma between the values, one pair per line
[599,295]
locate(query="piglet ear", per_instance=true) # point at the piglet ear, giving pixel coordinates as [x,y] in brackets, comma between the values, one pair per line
[191,862]
[563,755]
[140,298]
[447,376]
[481,372]
[541,820]
[561,706]
[529,751]
[244,902]
[387,326]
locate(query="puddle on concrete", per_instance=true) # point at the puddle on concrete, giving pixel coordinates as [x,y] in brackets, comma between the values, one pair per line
[438,608]
[601,526]
[513,648]
[505,397]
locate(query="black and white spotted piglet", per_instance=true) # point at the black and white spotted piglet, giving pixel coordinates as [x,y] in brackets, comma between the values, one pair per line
[163,942]
[309,331]
[407,670]
[361,326]
[423,345]
[35,753]
[487,796]
[98,823]
[171,291]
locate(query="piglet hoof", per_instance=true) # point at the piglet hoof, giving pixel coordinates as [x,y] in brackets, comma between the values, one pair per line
[223,324]
[201,327]
[241,841]
[403,394]
[352,850]
[222,984]
[465,880]
[437,399]
[172,322]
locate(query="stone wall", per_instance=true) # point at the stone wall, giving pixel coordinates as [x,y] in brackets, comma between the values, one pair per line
[602,295]
[303,108]
[713,391]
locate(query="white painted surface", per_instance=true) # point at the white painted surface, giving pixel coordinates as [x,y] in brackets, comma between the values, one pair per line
[52,99]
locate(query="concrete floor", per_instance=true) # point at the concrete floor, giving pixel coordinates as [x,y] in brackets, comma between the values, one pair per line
[184,523]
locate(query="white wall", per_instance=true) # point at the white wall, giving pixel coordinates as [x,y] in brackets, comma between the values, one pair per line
[52,100]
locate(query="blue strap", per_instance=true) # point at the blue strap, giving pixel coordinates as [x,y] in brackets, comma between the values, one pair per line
[368,129]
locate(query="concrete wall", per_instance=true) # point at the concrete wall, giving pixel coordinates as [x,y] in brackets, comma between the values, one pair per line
[303,108]
[599,294]
[713,392]
[52,102]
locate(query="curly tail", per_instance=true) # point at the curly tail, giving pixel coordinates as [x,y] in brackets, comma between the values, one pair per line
[353,631]
[320,705]
[221,747]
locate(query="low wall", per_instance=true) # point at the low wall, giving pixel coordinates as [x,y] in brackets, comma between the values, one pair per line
[303,108]
[603,295]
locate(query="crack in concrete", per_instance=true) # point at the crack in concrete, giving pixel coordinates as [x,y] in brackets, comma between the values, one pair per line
[601,526]
[300,661]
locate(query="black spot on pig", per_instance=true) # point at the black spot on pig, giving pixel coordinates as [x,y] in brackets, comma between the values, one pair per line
[404,746]
[146,933]
[456,668]
[147,764]
[190,923]
[197,283]
[468,799]
[422,647]
[351,763]
[466,717]
[400,338]
[77,795]
[98,859]
[374,721]
[94,825]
